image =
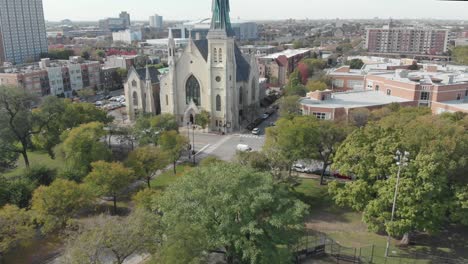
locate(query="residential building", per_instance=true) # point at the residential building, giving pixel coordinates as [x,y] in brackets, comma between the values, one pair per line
[116,24]
[110,79]
[243,30]
[127,36]
[156,21]
[461,42]
[279,65]
[407,40]
[121,61]
[258,50]
[126,18]
[59,77]
[22,31]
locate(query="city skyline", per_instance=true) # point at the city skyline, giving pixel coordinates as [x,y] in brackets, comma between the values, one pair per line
[56,10]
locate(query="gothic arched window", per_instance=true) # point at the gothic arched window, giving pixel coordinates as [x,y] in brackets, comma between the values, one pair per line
[135,99]
[134,83]
[215,55]
[220,59]
[218,103]
[254,90]
[241,99]
[192,90]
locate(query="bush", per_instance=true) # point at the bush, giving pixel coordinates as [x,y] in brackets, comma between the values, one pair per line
[42,175]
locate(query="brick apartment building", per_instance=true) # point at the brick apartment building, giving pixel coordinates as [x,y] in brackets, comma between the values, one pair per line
[407,40]
[47,77]
[279,65]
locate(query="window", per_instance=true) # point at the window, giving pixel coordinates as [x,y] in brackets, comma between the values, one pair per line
[167,100]
[215,55]
[254,90]
[218,78]
[338,83]
[218,103]
[424,96]
[389,92]
[220,55]
[135,99]
[377,88]
[134,83]
[458,97]
[466,92]
[321,116]
[192,90]
[241,99]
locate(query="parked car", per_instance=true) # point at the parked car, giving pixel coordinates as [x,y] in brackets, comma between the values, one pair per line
[99,103]
[265,116]
[251,126]
[338,175]
[300,168]
[256,131]
[243,148]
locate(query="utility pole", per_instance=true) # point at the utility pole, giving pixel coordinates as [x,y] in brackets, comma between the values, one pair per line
[402,160]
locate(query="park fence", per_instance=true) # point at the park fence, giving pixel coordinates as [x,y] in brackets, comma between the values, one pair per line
[316,245]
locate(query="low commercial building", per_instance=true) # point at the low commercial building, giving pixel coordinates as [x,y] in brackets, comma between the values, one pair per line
[127,36]
[279,65]
[121,61]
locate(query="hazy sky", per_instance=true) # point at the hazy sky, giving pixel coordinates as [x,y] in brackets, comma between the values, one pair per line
[56,10]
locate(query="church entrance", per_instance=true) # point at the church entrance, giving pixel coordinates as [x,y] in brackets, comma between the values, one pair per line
[192,119]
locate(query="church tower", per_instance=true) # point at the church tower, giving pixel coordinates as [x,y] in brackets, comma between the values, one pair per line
[222,65]
[169,99]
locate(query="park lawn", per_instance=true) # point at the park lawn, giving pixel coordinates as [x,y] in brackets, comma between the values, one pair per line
[36,158]
[346,227]
[167,178]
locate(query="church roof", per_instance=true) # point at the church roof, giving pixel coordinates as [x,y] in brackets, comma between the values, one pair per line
[243,66]
[154,74]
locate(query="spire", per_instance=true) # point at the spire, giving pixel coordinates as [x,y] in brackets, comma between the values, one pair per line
[220,19]
[170,34]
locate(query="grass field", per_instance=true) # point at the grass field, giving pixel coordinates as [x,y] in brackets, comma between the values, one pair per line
[345,227]
[166,178]
[36,159]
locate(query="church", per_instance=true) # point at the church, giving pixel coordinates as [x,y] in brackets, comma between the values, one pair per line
[209,75]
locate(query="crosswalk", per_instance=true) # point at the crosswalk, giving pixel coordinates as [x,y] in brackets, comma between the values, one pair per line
[249,136]
[213,147]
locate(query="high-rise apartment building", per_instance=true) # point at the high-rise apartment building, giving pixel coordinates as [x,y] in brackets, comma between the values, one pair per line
[126,18]
[22,31]
[156,21]
[407,40]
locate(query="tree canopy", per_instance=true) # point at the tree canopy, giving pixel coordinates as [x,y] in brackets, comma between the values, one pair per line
[173,144]
[355,64]
[234,209]
[146,161]
[148,129]
[432,184]
[15,227]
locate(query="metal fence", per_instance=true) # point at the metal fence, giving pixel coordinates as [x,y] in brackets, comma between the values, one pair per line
[316,245]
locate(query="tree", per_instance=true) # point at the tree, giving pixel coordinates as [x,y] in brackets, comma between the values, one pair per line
[298,44]
[147,161]
[101,53]
[148,129]
[255,160]
[15,227]
[292,140]
[114,239]
[18,192]
[81,146]
[234,209]
[8,158]
[18,122]
[316,86]
[86,93]
[56,204]
[203,119]
[109,179]
[355,64]
[173,144]
[430,184]
[289,106]
[460,55]
[360,117]
[330,137]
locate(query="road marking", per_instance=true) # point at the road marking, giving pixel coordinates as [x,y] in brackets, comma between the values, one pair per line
[217,145]
[202,149]
[249,136]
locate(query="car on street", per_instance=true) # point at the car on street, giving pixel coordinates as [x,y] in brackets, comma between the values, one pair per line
[265,116]
[256,131]
[243,148]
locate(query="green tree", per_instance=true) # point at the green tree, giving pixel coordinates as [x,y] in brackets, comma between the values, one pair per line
[460,55]
[81,146]
[316,86]
[292,140]
[173,144]
[101,53]
[428,186]
[295,85]
[56,204]
[114,239]
[109,179]
[298,44]
[86,93]
[255,160]
[8,158]
[289,106]
[203,119]
[148,129]
[147,161]
[315,65]
[355,64]
[234,209]
[15,227]
[18,122]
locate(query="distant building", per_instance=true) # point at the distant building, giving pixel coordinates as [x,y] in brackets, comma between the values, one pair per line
[258,50]
[279,65]
[461,42]
[127,36]
[124,62]
[116,24]
[22,31]
[243,30]
[156,21]
[126,18]
[60,77]
[407,40]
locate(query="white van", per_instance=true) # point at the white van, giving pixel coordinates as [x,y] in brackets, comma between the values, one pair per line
[244,148]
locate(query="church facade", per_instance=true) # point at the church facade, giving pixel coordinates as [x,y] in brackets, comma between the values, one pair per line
[211,75]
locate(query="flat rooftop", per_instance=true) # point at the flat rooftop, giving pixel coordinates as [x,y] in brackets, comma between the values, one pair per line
[356,99]
[460,104]
[425,77]
[288,53]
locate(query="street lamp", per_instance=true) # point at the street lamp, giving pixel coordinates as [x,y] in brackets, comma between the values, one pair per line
[189,146]
[193,148]
[401,160]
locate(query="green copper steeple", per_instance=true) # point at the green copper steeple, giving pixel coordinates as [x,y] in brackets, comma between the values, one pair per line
[221,19]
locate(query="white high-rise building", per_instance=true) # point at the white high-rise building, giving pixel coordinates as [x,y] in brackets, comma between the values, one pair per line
[156,21]
[22,31]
